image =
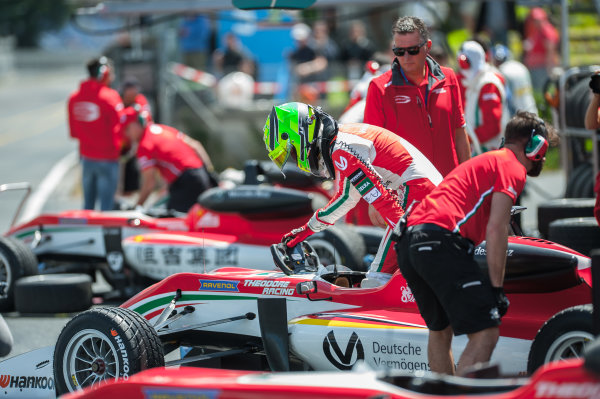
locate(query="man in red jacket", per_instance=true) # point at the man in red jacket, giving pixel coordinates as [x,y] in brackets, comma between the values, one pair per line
[419,100]
[180,160]
[94,119]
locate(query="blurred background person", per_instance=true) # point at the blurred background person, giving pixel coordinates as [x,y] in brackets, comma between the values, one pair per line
[194,37]
[540,47]
[486,112]
[357,50]
[230,57]
[94,112]
[519,89]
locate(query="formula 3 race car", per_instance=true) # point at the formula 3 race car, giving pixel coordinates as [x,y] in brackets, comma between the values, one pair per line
[307,317]
[133,249]
[572,378]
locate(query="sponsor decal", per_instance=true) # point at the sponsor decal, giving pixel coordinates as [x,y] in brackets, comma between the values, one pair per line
[483,252]
[26,382]
[573,390]
[42,364]
[407,363]
[372,195]
[342,163]
[402,99]
[343,360]
[124,372]
[218,285]
[407,295]
[364,185]
[174,393]
[271,287]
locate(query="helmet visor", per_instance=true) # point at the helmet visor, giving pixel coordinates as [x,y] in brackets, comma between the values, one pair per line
[280,155]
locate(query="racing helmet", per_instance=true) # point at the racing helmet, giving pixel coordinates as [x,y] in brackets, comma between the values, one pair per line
[292,127]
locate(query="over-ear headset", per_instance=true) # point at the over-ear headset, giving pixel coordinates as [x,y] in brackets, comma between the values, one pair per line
[103,68]
[463,61]
[537,145]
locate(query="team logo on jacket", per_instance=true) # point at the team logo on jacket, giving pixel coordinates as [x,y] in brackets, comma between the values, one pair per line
[86,111]
[343,360]
[402,99]
[342,163]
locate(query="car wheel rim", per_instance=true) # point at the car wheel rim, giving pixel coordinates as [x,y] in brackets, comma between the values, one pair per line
[89,358]
[328,254]
[568,346]
[5,276]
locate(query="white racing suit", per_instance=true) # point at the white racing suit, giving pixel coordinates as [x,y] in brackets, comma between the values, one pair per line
[385,170]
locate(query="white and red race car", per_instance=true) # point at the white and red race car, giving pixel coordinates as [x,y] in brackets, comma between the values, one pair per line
[308,318]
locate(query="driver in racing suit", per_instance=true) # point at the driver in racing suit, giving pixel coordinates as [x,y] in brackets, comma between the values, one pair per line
[371,162]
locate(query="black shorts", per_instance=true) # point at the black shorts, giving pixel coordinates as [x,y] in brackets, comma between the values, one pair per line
[447,283]
[184,191]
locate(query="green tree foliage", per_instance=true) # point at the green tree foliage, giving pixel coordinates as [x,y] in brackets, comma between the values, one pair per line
[28,19]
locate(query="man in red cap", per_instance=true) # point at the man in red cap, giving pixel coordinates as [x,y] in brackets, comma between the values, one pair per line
[180,160]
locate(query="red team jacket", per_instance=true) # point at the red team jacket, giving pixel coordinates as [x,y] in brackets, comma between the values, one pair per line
[95,120]
[426,116]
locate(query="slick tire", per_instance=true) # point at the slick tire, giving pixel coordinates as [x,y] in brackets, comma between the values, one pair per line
[580,234]
[16,261]
[581,182]
[562,208]
[563,336]
[53,293]
[102,344]
[372,236]
[340,245]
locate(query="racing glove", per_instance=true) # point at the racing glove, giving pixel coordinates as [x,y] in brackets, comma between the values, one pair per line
[502,301]
[296,236]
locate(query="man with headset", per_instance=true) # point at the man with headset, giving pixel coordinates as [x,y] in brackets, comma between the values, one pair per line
[94,119]
[435,251]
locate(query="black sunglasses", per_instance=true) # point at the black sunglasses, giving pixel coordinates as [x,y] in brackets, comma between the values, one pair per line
[414,50]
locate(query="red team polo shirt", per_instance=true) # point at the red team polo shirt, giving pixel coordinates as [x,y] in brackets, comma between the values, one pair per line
[462,201]
[163,147]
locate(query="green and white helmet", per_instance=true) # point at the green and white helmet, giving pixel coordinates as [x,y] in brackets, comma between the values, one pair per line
[291,125]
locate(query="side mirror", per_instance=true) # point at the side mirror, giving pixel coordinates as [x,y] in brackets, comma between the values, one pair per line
[306,287]
[278,4]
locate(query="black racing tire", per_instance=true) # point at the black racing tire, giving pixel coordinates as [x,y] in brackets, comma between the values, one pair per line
[16,261]
[102,344]
[581,182]
[581,234]
[53,293]
[340,245]
[372,236]
[562,208]
[563,336]
[577,99]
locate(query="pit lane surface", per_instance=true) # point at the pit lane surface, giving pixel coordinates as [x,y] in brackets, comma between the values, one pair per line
[34,139]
